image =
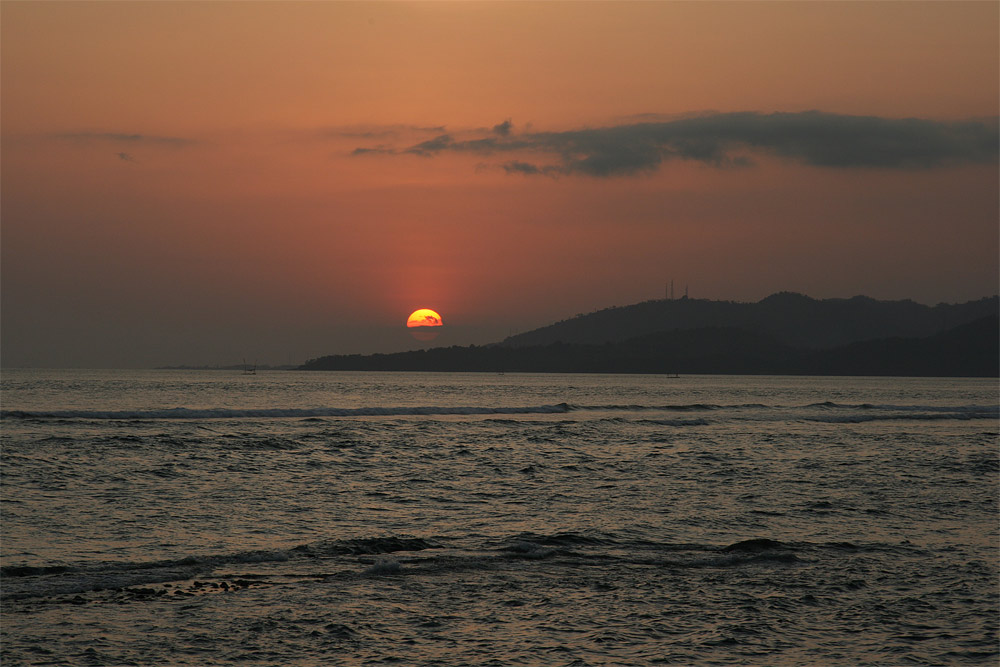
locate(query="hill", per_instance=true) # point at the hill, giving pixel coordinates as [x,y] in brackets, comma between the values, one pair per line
[789,318]
[967,350]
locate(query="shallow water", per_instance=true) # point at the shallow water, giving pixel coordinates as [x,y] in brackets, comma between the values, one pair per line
[168,517]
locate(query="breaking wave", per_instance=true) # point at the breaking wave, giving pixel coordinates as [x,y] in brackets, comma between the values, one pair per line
[397,555]
[836,413]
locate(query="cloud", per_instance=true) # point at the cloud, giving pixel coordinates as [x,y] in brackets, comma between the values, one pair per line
[518,167]
[727,139]
[127,157]
[369,151]
[432,146]
[504,128]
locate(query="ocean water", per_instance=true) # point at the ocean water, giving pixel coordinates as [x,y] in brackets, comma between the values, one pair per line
[291,518]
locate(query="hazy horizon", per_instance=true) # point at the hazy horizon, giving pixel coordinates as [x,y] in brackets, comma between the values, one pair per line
[202,183]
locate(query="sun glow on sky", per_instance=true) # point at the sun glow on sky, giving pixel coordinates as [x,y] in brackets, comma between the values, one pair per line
[195,183]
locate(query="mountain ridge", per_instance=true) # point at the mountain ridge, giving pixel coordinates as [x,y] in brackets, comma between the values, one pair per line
[789,317]
[969,348]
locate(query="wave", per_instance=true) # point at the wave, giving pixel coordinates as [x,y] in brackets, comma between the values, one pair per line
[829,411]
[27,581]
[680,423]
[907,416]
[305,413]
[314,414]
[680,407]
[407,555]
[375,545]
[991,409]
[856,413]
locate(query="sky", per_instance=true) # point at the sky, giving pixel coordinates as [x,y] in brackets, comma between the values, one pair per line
[207,182]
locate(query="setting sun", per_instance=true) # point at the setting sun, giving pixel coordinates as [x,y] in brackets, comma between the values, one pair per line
[424,317]
[423,324]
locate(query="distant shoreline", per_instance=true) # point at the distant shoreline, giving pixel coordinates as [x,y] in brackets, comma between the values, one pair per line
[969,350]
[785,333]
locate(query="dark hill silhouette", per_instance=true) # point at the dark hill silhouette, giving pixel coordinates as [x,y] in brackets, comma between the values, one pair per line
[789,318]
[968,350]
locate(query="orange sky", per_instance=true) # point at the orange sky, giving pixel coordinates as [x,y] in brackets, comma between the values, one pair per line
[180,182]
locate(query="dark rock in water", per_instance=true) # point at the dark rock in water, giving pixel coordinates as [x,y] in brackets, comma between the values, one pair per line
[753,546]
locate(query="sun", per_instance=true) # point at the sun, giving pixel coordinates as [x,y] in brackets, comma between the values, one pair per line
[424,324]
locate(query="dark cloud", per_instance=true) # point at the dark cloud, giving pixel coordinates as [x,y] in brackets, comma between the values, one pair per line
[447,142]
[517,167]
[725,140]
[432,146]
[831,140]
[370,151]
[127,157]
[504,128]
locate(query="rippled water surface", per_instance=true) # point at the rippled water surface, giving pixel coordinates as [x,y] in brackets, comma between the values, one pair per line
[211,518]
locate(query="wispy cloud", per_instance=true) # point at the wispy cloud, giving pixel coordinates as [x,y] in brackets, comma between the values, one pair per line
[728,140]
[374,150]
[518,167]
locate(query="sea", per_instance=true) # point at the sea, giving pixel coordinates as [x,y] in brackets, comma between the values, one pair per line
[170,517]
